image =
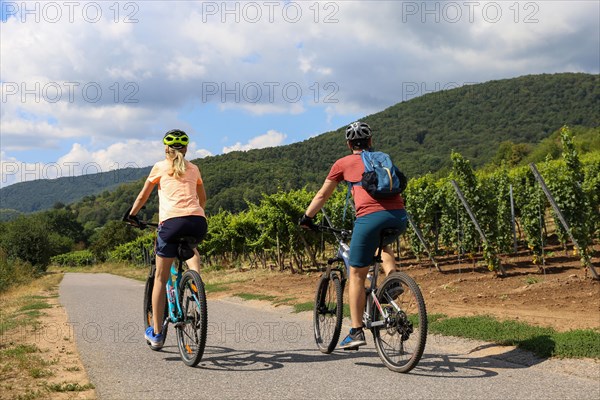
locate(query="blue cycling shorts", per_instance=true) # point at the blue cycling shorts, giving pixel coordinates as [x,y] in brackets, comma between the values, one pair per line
[174,228]
[365,235]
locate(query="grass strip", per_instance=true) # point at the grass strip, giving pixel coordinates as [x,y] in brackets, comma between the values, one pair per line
[543,342]
[215,287]
[309,306]
[69,387]
[301,307]
[251,296]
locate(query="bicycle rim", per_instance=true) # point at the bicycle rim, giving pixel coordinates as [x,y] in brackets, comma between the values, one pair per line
[191,334]
[401,341]
[328,313]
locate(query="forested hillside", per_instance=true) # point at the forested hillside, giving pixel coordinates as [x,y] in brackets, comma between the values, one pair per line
[484,122]
[43,194]
[420,134]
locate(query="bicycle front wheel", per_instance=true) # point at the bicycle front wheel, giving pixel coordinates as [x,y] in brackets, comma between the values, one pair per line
[328,312]
[191,332]
[400,342]
[148,315]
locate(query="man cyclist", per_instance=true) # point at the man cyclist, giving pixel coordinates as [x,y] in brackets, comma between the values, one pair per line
[182,199]
[372,216]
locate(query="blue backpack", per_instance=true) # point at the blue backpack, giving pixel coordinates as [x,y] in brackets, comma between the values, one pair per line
[381,178]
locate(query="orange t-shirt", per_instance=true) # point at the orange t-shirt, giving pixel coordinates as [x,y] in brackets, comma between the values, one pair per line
[350,169]
[176,197]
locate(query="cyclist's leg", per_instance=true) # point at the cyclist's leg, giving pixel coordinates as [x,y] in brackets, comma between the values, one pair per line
[194,262]
[166,252]
[356,295]
[394,219]
[163,265]
[365,239]
[388,261]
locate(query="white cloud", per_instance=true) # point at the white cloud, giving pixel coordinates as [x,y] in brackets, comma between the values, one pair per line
[150,70]
[270,139]
[292,108]
[202,153]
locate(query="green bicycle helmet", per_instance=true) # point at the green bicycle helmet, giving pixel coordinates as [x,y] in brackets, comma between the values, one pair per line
[176,139]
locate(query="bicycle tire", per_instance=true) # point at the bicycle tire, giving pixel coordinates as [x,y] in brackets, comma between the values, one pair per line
[401,342]
[148,310]
[191,334]
[328,312]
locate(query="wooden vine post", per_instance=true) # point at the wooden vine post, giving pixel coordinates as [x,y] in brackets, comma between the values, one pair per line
[417,230]
[563,221]
[474,220]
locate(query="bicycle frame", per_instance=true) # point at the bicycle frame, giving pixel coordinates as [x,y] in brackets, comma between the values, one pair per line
[399,342]
[343,254]
[175,313]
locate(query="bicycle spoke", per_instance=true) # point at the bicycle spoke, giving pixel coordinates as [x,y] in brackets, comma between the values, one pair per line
[401,340]
[192,331]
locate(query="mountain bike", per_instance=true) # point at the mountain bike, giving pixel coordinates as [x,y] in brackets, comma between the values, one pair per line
[185,305]
[395,310]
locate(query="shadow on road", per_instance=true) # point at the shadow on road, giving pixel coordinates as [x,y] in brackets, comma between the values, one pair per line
[465,365]
[227,359]
[470,365]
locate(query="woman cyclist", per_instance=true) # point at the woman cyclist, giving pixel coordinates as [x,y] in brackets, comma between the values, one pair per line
[372,216]
[182,199]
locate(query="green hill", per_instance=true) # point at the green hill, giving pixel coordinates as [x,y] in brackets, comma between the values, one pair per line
[43,194]
[419,134]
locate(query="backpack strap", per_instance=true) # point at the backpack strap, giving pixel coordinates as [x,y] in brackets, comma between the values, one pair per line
[367,160]
[350,184]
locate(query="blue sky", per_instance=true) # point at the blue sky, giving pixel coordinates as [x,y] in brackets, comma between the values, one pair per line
[92,86]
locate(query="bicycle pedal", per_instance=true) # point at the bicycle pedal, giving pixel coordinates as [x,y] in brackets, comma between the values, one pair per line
[351,348]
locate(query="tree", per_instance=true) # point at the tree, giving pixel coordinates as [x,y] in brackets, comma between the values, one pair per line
[110,236]
[28,238]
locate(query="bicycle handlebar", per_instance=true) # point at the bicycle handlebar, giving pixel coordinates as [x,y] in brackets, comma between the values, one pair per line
[135,222]
[342,232]
[142,224]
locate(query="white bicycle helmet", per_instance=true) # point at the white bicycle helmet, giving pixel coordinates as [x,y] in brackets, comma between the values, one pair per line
[358,130]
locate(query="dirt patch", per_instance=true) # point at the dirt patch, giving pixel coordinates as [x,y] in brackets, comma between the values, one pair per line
[52,368]
[561,295]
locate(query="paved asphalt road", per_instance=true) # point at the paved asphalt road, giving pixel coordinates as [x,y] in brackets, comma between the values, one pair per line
[261,352]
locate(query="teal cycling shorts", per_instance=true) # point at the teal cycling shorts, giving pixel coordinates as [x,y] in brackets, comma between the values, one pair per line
[365,235]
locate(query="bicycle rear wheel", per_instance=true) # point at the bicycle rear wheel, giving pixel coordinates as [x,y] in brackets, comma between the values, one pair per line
[328,312]
[148,309]
[191,333]
[401,341]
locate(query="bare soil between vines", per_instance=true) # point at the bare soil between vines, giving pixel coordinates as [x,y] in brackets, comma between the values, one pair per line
[562,295]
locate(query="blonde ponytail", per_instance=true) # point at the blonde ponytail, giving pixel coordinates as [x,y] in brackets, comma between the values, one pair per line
[177,161]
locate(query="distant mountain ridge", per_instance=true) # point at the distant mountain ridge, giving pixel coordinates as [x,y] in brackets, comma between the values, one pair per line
[419,134]
[42,194]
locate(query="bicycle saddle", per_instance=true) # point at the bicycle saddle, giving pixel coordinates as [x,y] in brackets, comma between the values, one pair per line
[185,248]
[387,232]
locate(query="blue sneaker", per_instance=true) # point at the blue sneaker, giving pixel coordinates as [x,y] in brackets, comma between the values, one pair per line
[355,338]
[156,340]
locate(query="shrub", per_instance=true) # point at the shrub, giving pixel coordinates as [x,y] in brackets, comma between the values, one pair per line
[79,258]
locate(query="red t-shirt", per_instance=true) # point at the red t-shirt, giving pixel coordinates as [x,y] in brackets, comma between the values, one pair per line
[350,169]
